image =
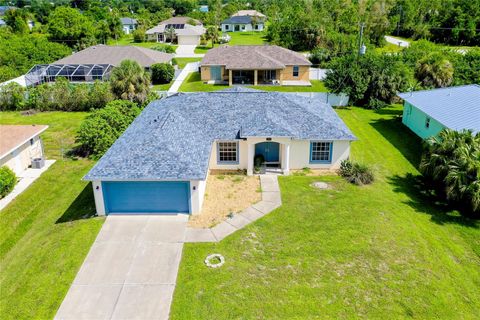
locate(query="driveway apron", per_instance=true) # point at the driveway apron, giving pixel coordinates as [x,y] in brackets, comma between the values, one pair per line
[130,271]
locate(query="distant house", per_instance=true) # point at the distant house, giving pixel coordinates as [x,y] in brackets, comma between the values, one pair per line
[4,9]
[128,25]
[2,23]
[94,63]
[203,8]
[244,20]
[181,30]
[20,145]
[428,112]
[160,164]
[255,65]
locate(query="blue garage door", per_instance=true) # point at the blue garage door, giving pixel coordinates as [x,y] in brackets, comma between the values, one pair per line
[146,197]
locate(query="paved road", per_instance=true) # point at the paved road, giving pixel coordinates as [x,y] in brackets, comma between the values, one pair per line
[397,41]
[130,271]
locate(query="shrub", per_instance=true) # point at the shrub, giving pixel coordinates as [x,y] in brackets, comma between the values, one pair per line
[162,73]
[164,48]
[356,173]
[12,97]
[8,179]
[138,35]
[101,128]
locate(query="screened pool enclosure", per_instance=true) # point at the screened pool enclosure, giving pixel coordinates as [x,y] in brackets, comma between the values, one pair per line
[42,73]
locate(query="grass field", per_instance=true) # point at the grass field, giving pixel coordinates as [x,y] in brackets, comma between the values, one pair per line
[193,83]
[181,62]
[44,233]
[382,251]
[128,41]
[238,38]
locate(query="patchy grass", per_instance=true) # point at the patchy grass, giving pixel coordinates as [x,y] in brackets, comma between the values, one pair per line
[389,48]
[162,87]
[226,193]
[237,39]
[181,62]
[193,83]
[376,251]
[46,232]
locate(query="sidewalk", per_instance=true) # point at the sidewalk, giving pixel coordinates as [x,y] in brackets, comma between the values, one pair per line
[189,68]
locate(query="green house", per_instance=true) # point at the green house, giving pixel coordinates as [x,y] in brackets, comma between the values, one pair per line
[428,112]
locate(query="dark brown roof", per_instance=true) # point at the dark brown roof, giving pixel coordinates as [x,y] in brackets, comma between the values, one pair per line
[253,57]
[102,54]
[14,136]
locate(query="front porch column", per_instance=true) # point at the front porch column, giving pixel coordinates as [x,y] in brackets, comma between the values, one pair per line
[250,155]
[255,77]
[230,77]
[286,159]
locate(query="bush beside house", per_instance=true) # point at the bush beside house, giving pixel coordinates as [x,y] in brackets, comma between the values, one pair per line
[162,73]
[101,128]
[356,173]
[8,179]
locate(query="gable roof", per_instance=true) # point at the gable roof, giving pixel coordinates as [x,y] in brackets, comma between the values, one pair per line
[248,13]
[172,138]
[238,20]
[456,108]
[13,136]
[114,55]
[253,57]
[126,21]
[180,20]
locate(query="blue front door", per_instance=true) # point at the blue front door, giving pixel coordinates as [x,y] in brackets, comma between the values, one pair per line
[269,150]
[146,197]
[216,73]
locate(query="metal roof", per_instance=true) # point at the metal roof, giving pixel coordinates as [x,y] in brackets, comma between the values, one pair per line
[172,138]
[456,108]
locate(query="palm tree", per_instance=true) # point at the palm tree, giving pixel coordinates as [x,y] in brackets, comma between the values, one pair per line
[129,81]
[453,161]
[435,71]
[212,34]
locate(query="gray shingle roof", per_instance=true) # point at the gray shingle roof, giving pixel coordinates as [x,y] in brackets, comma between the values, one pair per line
[172,138]
[253,57]
[456,108]
[128,21]
[102,54]
[238,20]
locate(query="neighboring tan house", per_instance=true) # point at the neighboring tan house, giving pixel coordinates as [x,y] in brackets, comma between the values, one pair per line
[20,145]
[428,112]
[177,30]
[128,25]
[94,63]
[255,65]
[160,164]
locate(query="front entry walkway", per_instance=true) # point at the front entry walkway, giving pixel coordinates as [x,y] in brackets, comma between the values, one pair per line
[130,271]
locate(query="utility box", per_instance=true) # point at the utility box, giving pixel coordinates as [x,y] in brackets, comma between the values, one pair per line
[38,163]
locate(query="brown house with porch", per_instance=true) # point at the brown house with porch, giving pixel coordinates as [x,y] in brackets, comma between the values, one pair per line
[255,65]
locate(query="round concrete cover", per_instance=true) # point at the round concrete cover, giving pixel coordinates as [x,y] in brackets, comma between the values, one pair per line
[320,185]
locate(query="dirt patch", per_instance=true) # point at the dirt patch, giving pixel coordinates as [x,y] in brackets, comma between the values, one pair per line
[227,193]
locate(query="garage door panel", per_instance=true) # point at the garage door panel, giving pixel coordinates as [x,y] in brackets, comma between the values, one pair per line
[146,197]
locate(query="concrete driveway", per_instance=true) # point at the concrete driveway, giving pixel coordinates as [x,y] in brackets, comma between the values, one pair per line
[130,271]
[187,51]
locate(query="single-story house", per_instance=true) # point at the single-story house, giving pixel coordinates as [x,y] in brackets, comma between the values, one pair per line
[203,8]
[177,30]
[3,23]
[20,145]
[128,25]
[160,164]
[255,65]
[251,13]
[94,63]
[243,23]
[428,112]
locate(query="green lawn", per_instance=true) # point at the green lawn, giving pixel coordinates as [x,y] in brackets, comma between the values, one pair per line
[162,87]
[181,62]
[237,38]
[193,83]
[46,232]
[377,252]
[128,41]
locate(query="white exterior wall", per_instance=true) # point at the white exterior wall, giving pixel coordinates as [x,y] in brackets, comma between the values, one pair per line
[197,194]
[248,27]
[21,158]
[98,195]
[188,40]
[299,154]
